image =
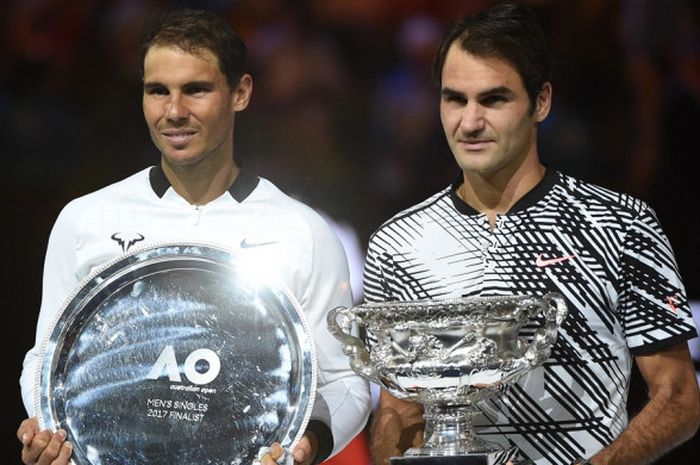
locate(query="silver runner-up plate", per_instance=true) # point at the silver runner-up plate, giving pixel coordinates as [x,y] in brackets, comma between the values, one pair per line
[177,354]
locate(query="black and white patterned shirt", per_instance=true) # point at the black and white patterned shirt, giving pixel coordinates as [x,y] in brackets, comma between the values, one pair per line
[605,252]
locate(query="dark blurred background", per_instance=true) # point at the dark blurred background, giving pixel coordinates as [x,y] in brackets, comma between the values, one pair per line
[343,116]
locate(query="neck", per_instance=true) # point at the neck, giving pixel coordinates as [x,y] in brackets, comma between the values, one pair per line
[495,194]
[200,183]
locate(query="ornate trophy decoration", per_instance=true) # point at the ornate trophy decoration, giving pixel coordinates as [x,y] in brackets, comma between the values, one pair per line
[449,355]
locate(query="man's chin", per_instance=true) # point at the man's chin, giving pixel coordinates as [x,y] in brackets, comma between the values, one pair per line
[478,164]
[181,161]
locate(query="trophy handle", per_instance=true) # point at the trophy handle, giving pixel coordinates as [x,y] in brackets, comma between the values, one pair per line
[555,310]
[353,346]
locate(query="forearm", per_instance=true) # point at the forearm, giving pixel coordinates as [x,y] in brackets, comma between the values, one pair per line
[394,430]
[27,380]
[667,420]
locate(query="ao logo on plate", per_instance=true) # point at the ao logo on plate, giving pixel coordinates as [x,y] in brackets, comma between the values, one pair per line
[168,362]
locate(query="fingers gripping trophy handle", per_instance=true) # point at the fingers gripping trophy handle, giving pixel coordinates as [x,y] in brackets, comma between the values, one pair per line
[555,310]
[353,346]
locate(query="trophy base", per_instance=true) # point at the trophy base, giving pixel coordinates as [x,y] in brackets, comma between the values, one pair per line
[499,457]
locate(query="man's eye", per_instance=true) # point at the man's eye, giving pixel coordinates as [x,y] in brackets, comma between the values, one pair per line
[493,100]
[156,91]
[456,99]
[196,90]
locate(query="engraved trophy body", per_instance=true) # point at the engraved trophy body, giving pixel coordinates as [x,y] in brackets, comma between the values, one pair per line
[449,355]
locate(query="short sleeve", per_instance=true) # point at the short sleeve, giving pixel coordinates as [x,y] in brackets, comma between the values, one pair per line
[653,303]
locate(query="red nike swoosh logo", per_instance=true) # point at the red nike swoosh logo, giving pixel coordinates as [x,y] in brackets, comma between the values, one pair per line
[542,262]
[672,303]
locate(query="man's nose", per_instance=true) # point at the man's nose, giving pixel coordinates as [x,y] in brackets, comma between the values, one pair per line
[472,118]
[175,109]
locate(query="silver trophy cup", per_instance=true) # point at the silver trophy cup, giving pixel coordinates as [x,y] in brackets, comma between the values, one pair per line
[449,355]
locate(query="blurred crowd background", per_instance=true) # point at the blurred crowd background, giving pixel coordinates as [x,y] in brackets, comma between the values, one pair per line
[344,115]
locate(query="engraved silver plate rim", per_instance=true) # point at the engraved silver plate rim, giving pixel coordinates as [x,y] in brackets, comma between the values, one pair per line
[95,281]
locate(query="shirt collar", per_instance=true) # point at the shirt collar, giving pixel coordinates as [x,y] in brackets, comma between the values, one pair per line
[244,184]
[533,196]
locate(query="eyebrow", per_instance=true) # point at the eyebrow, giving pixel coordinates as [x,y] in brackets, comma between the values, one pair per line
[204,84]
[500,90]
[450,93]
[152,85]
[155,84]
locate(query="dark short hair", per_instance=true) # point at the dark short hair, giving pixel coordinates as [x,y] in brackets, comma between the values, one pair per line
[509,31]
[195,31]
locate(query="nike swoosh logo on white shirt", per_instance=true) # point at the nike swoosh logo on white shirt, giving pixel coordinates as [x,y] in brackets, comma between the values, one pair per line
[247,245]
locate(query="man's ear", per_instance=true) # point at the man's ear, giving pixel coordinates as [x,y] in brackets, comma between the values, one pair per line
[544,102]
[241,94]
